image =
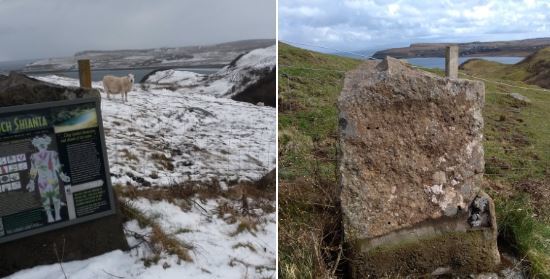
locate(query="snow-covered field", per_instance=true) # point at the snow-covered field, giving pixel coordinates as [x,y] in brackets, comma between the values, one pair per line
[164,137]
[161,138]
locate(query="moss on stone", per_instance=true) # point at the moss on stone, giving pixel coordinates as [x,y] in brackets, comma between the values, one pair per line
[463,252]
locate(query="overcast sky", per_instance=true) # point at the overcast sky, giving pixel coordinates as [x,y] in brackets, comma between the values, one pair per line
[368,25]
[53,28]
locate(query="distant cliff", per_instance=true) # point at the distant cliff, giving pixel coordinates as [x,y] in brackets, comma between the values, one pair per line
[499,48]
[188,56]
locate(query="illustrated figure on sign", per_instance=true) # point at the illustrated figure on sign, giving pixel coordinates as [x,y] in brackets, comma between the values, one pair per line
[45,168]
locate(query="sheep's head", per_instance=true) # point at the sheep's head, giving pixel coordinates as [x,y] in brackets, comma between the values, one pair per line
[131,77]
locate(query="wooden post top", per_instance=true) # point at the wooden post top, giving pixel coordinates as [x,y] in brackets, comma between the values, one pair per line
[85,73]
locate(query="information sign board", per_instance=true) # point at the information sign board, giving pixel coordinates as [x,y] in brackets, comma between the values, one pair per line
[53,167]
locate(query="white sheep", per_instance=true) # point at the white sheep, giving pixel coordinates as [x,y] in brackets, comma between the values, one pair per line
[116,85]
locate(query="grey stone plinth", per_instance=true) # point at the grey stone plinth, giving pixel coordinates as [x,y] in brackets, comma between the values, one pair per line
[411,166]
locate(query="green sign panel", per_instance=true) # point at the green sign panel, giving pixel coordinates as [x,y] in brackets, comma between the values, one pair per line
[53,167]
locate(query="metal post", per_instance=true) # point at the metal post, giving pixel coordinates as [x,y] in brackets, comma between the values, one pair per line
[85,73]
[451,61]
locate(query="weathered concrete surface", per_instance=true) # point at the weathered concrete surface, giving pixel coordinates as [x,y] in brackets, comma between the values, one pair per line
[76,242]
[411,164]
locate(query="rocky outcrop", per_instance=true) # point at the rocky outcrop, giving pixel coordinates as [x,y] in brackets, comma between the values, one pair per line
[252,76]
[268,181]
[264,90]
[520,98]
[411,166]
[19,89]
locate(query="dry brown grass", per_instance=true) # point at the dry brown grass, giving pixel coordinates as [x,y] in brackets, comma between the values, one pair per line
[158,241]
[250,195]
[163,161]
[310,230]
[171,244]
[128,155]
[247,245]
[537,189]
[201,190]
[246,224]
[242,203]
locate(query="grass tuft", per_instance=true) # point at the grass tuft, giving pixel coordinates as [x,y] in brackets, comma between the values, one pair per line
[517,224]
[159,241]
[164,161]
[129,155]
[246,225]
[247,245]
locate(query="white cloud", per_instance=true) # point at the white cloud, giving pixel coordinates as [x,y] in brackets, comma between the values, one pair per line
[393,9]
[374,24]
[482,12]
[303,11]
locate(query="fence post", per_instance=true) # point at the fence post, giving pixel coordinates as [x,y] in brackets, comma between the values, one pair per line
[451,61]
[85,73]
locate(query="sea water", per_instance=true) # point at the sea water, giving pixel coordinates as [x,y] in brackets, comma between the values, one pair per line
[97,75]
[439,62]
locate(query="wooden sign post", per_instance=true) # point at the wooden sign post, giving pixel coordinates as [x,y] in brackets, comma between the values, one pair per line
[85,73]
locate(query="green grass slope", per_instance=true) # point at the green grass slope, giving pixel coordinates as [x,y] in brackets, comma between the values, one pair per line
[309,85]
[517,153]
[534,69]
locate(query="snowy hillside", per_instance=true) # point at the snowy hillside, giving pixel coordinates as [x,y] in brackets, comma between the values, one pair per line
[248,69]
[229,81]
[160,140]
[162,137]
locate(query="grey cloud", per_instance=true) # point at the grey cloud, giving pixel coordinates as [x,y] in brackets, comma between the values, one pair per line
[37,28]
